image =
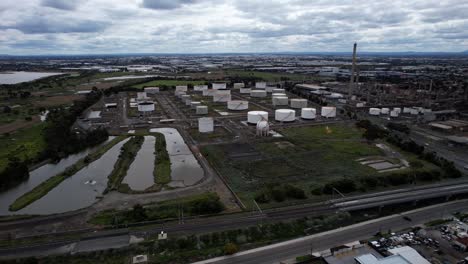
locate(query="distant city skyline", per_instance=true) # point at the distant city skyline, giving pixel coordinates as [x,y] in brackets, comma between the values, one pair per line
[230,26]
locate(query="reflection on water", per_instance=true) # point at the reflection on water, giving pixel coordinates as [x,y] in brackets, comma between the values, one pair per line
[80,190]
[185,169]
[37,176]
[21,76]
[140,174]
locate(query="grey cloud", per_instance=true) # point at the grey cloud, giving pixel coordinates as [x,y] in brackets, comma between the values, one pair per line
[61,4]
[165,4]
[44,25]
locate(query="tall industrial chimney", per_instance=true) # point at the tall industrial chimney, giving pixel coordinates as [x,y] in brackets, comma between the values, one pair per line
[353,72]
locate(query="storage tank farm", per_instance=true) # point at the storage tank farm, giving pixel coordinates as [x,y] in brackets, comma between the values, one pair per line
[285,115]
[260,85]
[146,107]
[219,86]
[374,111]
[253,117]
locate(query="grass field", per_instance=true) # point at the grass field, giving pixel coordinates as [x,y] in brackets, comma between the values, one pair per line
[167,83]
[272,76]
[25,144]
[306,157]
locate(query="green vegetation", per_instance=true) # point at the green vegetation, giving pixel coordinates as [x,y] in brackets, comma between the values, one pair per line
[241,75]
[202,204]
[25,144]
[126,157]
[46,186]
[167,83]
[313,159]
[162,166]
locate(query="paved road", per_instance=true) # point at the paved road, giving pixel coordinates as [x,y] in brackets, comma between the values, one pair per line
[319,242]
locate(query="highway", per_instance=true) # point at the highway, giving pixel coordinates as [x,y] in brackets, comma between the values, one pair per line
[118,238]
[322,241]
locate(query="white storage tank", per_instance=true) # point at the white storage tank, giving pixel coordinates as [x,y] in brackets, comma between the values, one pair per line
[178,94]
[263,128]
[374,111]
[406,110]
[205,125]
[278,94]
[278,90]
[260,85]
[280,100]
[299,103]
[258,93]
[221,98]
[152,90]
[269,89]
[328,111]
[141,96]
[202,110]
[181,88]
[360,104]
[199,88]
[194,104]
[385,111]
[222,92]
[245,90]
[394,113]
[184,98]
[414,111]
[239,85]
[253,117]
[285,115]
[238,105]
[397,110]
[146,107]
[308,113]
[209,92]
[219,86]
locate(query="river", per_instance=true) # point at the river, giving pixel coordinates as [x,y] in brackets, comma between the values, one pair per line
[22,76]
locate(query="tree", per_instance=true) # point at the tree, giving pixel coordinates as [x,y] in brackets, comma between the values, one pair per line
[138,213]
[230,249]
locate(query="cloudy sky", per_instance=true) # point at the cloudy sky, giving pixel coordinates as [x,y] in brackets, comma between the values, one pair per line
[199,26]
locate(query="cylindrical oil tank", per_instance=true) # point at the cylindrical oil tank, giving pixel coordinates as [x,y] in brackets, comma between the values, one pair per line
[200,87]
[328,111]
[179,94]
[278,94]
[263,128]
[239,85]
[308,113]
[374,111]
[222,92]
[202,110]
[152,90]
[185,97]
[245,90]
[394,113]
[414,111]
[406,110]
[194,104]
[269,89]
[278,90]
[238,105]
[385,111]
[181,88]
[208,92]
[253,117]
[221,98]
[299,103]
[360,104]
[205,125]
[258,93]
[260,85]
[397,110]
[280,100]
[146,107]
[219,86]
[285,115]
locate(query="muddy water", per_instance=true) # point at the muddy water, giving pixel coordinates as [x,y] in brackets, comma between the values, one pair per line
[185,169]
[140,174]
[39,175]
[80,190]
